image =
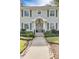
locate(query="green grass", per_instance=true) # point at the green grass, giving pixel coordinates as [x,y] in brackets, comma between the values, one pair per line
[53,40]
[26,38]
[23,45]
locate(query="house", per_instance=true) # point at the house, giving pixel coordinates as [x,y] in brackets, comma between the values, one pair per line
[39,18]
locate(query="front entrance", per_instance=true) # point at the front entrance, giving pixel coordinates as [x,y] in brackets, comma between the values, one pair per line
[39,25]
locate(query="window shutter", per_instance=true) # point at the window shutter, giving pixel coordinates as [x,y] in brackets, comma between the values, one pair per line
[56,13]
[47,13]
[30,13]
[22,13]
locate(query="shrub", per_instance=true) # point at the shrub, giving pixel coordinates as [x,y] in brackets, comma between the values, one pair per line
[50,34]
[23,31]
[55,31]
[29,34]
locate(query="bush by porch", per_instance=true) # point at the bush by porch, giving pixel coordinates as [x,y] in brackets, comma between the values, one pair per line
[52,33]
[25,33]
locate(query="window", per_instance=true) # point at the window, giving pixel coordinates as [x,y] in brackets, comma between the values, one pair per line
[39,12]
[51,13]
[47,26]
[26,13]
[56,13]
[52,26]
[26,26]
[30,26]
[47,13]
[22,13]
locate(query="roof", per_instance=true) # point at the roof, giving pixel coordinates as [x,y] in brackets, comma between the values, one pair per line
[42,7]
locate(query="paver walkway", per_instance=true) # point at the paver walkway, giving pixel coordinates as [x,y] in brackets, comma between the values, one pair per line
[38,50]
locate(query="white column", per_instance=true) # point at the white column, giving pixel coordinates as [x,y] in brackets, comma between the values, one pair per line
[44,25]
[33,26]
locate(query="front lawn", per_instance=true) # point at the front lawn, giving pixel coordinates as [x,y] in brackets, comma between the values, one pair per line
[26,38]
[53,40]
[23,45]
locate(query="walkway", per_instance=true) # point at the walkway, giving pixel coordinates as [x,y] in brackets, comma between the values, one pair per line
[38,50]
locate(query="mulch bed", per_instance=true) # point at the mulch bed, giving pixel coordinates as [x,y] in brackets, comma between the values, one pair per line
[55,50]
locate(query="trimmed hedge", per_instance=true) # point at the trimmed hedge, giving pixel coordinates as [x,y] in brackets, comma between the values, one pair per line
[23,31]
[51,33]
[55,31]
[27,34]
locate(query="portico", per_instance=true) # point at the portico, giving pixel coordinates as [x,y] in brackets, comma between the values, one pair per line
[39,24]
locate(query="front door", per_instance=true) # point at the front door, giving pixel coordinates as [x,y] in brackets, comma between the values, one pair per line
[39,25]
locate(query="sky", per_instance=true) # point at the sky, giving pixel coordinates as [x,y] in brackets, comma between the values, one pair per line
[35,2]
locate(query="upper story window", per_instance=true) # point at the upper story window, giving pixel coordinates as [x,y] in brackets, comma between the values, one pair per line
[51,13]
[39,12]
[26,13]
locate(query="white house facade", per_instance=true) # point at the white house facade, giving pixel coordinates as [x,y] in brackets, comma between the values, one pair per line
[39,18]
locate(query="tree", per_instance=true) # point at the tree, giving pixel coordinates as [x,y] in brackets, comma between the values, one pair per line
[55,2]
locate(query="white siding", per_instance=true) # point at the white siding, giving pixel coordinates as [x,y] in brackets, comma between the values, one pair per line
[43,15]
